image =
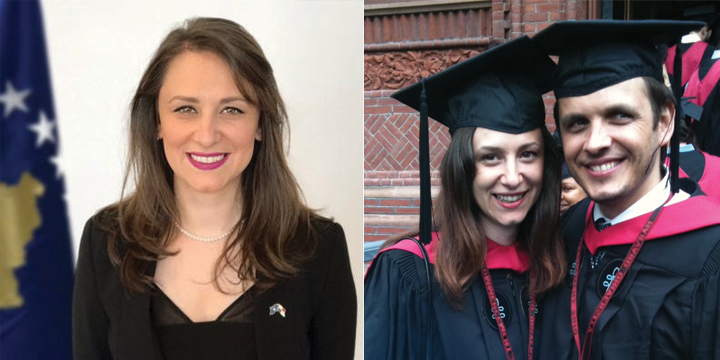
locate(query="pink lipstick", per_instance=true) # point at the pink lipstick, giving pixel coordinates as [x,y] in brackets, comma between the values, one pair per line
[207,161]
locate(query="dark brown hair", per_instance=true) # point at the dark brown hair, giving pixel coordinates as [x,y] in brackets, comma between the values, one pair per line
[273,235]
[460,254]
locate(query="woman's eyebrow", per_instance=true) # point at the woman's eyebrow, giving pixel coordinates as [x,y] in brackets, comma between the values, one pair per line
[231,99]
[529,145]
[195,100]
[184,98]
[489,149]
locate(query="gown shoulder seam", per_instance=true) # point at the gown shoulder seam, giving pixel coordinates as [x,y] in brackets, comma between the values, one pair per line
[408,266]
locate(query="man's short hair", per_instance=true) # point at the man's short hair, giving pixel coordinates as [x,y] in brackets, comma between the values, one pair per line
[659,95]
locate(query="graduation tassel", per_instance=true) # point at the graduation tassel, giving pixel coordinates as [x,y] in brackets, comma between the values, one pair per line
[424,158]
[425,211]
[675,138]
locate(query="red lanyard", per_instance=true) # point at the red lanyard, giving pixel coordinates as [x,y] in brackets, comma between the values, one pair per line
[501,326]
[584,351]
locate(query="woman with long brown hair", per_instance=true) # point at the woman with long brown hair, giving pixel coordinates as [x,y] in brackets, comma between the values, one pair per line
[497,244]
[214,254]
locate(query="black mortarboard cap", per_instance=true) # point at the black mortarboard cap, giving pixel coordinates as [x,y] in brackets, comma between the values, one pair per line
[500,89]
[595,54]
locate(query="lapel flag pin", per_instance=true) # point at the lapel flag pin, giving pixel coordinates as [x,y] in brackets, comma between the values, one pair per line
[277,308]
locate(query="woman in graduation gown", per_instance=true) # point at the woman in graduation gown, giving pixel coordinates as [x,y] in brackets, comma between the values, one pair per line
[497,242]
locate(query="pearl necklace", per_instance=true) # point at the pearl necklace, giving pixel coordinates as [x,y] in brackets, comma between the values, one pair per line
[205,239]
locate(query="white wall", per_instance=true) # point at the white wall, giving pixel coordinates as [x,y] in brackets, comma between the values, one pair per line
[99,49]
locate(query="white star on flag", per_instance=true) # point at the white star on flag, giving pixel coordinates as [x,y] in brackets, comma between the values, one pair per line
[13,99]
[44,130]
[57,160]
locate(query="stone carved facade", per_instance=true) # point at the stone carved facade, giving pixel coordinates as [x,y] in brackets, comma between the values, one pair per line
[396,70]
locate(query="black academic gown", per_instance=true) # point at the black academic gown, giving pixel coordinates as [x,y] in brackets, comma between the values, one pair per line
[396,313]
[707,130]
[703,168]
[668,305]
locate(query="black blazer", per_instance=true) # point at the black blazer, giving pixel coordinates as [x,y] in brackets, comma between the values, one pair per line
[320,303]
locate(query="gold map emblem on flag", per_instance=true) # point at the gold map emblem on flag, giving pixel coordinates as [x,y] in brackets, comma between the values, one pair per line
[20,217]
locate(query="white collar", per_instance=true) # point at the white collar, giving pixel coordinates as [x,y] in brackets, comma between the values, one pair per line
[654,198]
[690,38]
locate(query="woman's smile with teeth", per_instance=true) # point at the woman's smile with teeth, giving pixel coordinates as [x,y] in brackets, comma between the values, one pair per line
[510,198]
[604,167]
[207,159]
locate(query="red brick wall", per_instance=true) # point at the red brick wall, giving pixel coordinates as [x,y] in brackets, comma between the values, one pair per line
[391,151]
[385,206]
[391,140]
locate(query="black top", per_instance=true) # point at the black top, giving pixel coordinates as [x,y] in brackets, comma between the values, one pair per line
[396,312]
[230,336]
[112,323]
[668,305]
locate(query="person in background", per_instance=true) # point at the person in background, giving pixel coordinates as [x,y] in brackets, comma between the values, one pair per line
[644,279]
[694,46]
[702,90]
[214,255]
[497,244]
[571,192]
[695,164]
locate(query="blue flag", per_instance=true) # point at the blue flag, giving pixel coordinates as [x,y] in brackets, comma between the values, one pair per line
[36,268]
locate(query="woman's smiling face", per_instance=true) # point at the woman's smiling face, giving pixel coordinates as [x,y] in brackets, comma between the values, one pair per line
[207,126]
[509,173]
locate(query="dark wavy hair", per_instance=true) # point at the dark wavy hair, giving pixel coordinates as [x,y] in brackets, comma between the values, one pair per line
[274,233]
[460,255]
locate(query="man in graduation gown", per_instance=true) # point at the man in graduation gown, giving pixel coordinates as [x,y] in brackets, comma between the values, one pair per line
[644,279]
[703,91]
[694,46]
[696,164]
[707,128]
[407,314]
[701,76]
[701,167]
